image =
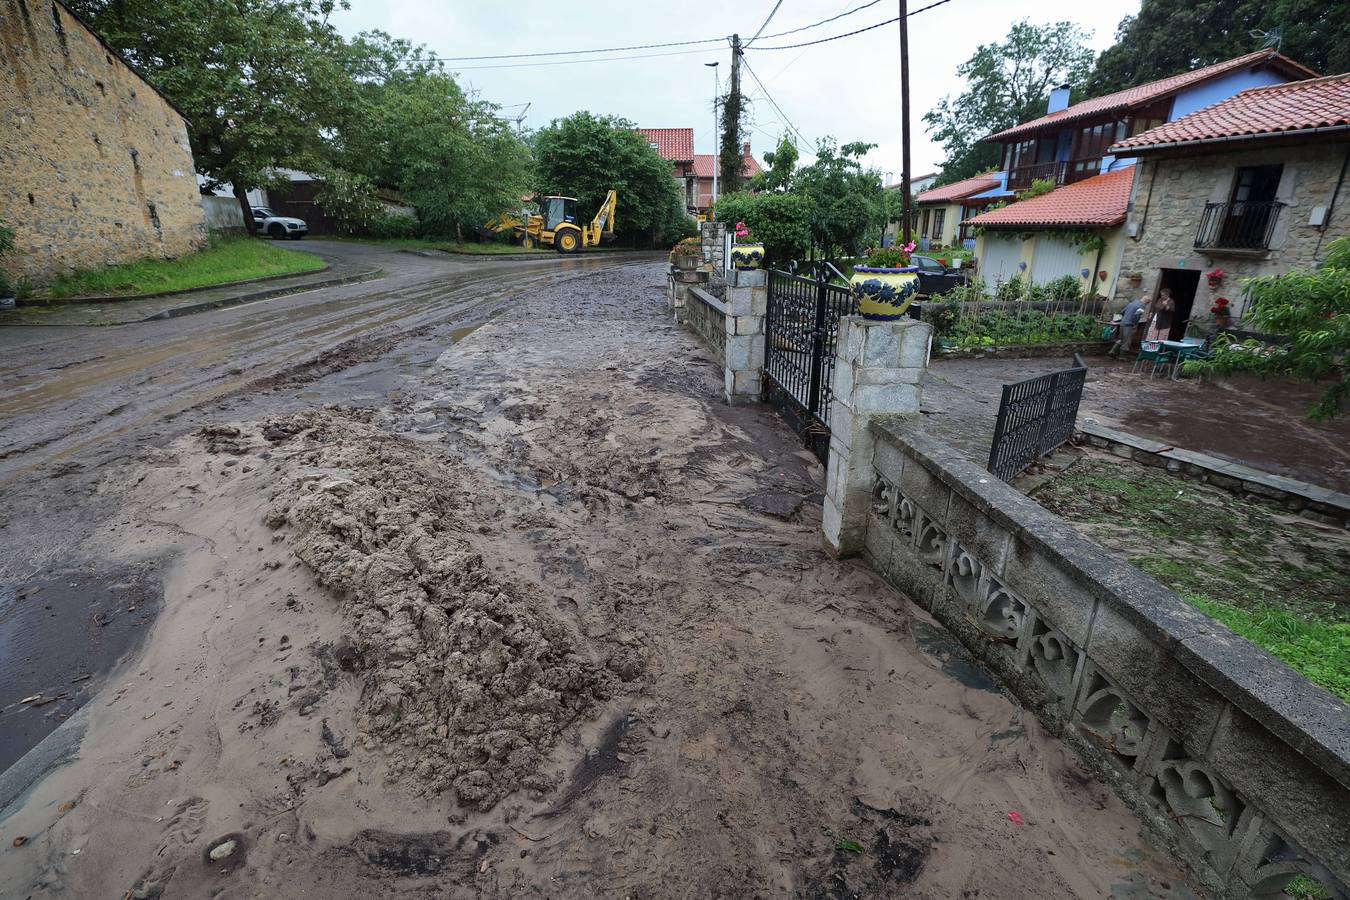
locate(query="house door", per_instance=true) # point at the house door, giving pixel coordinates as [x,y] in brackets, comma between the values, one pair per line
[1182,283]
[999,261]
[1054,258]
[1251,206]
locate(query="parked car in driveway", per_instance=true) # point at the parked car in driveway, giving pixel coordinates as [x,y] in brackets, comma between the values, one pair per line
[934,277]
[277,227]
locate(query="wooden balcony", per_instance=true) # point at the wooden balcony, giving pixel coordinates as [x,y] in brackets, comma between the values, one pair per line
[1062,171]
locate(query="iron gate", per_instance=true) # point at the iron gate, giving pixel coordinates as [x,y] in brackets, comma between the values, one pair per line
[1034,417]
[800,332]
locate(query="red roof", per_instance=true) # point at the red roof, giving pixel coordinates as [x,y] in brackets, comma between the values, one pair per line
[959,190]
[704,163]
[1096,201]
[674,144]
[1322,103]
[1156,90]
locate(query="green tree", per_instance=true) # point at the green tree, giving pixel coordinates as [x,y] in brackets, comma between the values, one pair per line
[1007,84]
[845,202]
[1167,38]
[585,155]
[781,168]
[257,80]
[780,220]
[1312,311]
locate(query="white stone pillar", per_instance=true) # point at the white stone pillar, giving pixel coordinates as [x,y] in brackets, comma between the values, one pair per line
[877,370]
[747,302]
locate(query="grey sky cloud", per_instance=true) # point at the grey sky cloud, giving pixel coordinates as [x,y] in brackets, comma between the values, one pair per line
[847,89]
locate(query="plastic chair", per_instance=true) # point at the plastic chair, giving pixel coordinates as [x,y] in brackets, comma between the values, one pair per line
[1154,353]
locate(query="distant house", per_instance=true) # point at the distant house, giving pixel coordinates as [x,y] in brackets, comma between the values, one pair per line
[1256,184]
[940,213]
[96,162]
[1072,144]
[676,145]
[704,166]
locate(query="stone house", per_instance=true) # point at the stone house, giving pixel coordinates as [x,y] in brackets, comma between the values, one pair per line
[97,165]
[1073,143]
[1257,184]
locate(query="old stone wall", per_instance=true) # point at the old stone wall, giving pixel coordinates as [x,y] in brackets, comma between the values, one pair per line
[1169,200]
[97,166]
[1234,759]
[714,238]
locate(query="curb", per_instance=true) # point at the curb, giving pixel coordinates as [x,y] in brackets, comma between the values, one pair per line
[269,294]
[52,752]
[123,298]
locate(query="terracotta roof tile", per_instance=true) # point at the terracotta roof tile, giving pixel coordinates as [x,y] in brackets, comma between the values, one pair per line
[704,163]
[674,144]
[1155,90]
[1254,113]
[1096,201]
[959,190]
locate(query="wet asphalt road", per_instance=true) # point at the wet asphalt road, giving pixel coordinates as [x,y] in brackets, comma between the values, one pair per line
[81,406]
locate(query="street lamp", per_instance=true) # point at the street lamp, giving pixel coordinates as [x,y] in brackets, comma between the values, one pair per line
[717,92]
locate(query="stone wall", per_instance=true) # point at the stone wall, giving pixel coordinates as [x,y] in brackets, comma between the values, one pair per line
[714,237]
[1235,760]
[97,166]
[1169,198]
[706,317]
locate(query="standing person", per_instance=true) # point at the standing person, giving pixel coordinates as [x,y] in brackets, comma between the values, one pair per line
[1161,322]
[1129,327]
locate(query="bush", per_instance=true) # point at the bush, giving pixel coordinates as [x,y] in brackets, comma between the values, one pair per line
[887,258]
[942,316]
[1021,326]
[391,226]
[1010,290]
[778,220]
[1066,288]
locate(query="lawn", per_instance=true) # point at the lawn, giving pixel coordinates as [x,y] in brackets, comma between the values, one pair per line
[224,260]
[1278,580]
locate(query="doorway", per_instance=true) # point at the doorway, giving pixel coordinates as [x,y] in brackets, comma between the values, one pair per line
[1182,283]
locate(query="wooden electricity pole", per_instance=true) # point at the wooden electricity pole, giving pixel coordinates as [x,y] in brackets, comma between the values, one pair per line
[904,122]
[729,154]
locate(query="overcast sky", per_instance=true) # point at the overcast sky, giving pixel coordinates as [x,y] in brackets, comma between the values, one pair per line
[849,88]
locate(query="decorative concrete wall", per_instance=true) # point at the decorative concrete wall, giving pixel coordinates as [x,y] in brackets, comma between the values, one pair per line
[1235,759]
[1169,199]
[97,167]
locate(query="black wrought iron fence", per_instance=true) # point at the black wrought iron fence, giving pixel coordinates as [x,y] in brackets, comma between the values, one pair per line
[801,328]
[1034,417]
[1247,225]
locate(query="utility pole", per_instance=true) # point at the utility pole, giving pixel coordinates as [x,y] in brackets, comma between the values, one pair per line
[717,95]
[730,154]
[904,122]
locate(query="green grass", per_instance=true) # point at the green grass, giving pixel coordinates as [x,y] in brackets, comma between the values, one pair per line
[1279,581]
[224,260]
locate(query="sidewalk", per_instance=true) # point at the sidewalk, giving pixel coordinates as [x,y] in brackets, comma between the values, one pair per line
[122,312]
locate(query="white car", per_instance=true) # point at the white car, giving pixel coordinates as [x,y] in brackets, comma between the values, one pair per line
[277,227]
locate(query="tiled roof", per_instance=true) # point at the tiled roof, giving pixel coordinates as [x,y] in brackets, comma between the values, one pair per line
[959,190]
[1096,201]
[704,163]
[1257,112]
[1156,90]
[674,144]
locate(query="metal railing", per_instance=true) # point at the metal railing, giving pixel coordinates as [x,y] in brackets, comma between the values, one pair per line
[1246,225]
[1034,417]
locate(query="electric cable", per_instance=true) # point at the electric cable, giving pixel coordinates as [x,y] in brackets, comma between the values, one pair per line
[570,62]
[769,37]
[772,13]
[568,52]
[786,121]
[837,37]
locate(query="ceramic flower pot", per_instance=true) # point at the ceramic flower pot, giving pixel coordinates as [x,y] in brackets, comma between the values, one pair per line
[747,257]
[884,294]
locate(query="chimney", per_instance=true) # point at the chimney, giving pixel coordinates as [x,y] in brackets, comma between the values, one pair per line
[745,149]
[1059,99]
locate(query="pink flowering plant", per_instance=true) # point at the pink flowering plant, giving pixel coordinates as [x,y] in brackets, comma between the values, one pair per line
[742,232]
[896,257]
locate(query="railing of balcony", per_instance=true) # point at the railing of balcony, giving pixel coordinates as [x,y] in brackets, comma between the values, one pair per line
[1020,178]
[1238,226]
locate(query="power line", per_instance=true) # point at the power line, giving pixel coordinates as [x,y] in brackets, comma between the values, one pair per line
[769,97]
[570,62]
[773,12]
[891,21]
[769,37]
[567,52]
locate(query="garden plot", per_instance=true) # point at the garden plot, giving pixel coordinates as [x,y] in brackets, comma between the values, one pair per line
[1279,580]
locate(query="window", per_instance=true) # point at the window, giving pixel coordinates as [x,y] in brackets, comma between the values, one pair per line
[1256,184]
[1140,124]
[938,216]
[923,231]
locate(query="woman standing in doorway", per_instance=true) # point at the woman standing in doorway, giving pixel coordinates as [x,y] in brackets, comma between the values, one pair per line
[1160,322]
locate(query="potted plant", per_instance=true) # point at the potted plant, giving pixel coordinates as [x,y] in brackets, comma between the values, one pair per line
[1214,277]
[886,286]
[746,254]
[1221,312]
[687,254]
[1136,279]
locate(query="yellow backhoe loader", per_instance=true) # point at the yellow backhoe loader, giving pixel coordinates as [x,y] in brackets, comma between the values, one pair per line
[557,227]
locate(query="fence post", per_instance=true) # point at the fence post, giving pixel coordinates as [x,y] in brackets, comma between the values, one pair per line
[817,350]
[747,302]
[877,372]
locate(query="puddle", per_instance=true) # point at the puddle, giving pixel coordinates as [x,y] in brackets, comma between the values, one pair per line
[59,636]
[956,660]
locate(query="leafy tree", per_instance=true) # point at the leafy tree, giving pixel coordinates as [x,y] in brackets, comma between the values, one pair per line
[1007,84]
[844,201]
[348,200]
[780,220]
[257,80]
[1311,310]
[1167,38]
[585,155]
[781,167]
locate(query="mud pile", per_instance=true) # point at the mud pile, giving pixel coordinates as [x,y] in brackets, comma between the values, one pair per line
[469,679]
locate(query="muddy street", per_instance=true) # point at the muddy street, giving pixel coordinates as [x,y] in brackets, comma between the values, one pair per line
[521,610]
